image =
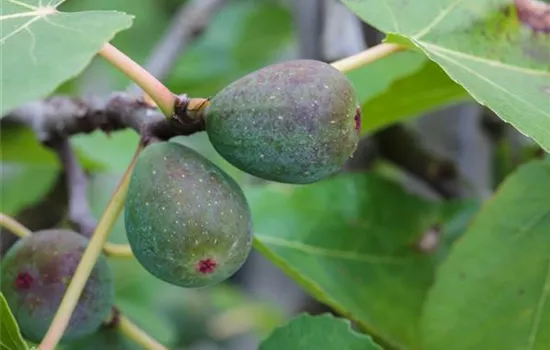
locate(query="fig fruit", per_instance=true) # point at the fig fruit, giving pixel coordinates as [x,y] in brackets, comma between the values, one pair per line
[36,271]
[187,221]
[293,122]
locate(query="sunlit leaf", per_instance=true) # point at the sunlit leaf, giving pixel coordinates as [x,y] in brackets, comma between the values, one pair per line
[47,47]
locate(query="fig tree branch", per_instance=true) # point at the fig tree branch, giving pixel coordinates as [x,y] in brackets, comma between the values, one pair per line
[189,22]
[59,117]
[80,215]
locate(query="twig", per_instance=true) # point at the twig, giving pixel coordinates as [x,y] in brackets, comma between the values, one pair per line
[365,57]
[80,215]
[44,214]
[138,335]
[59,117]
[14,226]
[189,22]
[117,250]
[398,145]
[84,268]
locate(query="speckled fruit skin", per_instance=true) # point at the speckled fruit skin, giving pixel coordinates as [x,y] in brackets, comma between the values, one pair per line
[187,221]
[292,122]
[35,274]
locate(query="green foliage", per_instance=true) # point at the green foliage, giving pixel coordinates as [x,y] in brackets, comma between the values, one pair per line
[495,284]
[35,275]
[401,86]
[323,332]
[106,338]
[48,46]
[351,241]
[349,244]
[149,19]
[28,170]
[223,55]
[293,122]
[425,90]
[11,336]
[482,46]
[187,221]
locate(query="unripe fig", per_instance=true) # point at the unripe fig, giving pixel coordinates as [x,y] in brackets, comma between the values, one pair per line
[187,221]
[35,274]
[293,122]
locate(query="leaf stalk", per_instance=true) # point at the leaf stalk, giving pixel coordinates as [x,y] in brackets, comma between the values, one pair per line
[157,91]
[365,57]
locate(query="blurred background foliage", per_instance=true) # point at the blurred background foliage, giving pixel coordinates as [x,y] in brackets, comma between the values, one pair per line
[244,36]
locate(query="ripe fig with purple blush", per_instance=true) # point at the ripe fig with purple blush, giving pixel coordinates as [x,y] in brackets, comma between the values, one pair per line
[187,221]
[293,122]
[36,271]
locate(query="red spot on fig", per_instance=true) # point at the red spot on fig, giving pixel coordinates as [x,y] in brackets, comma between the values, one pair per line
[358,119]
[23,280]
[206,266]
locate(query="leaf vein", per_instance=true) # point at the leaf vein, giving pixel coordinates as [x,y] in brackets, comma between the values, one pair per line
[330,253]
[444,13]
[483,60]
[18,15]
[23,27]
[22,4]
[481,77]
[392,15]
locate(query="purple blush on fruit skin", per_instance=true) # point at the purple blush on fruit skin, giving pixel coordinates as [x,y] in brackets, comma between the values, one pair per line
[35,274]
[358,120]
[292,122]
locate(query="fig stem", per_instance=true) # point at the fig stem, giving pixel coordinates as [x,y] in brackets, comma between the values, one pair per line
[365,57]
[86,264]
[117,250]
[158,92]
[14,226]
[135,333]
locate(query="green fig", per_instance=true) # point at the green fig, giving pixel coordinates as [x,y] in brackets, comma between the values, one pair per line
[187,221]
[36,271]
[292,122]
